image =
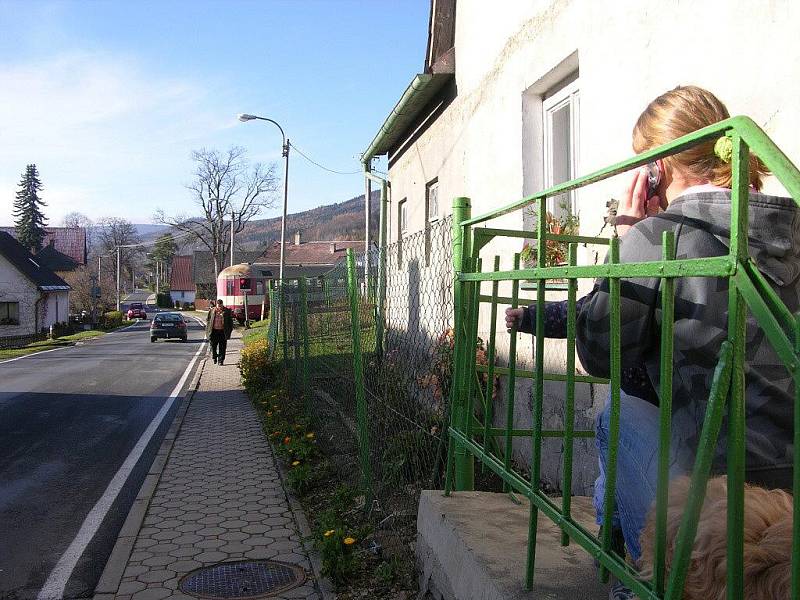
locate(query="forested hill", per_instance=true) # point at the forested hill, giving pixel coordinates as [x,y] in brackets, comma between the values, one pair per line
[341,221]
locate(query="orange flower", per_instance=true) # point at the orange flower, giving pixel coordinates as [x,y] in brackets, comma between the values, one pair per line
[287,439]
[329,533]
[269,413]
[348,541]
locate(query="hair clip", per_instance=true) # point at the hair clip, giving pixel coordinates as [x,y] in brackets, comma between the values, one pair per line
[723,148]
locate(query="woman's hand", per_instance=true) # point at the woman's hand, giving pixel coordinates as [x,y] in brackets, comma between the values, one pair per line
[633,203]
[514,318]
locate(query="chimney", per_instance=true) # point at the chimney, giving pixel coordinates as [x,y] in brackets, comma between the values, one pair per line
[296,238]
[333,247]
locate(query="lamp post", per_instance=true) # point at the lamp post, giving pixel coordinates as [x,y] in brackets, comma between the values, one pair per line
[246,117]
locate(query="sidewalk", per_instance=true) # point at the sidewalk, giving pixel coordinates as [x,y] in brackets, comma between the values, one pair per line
[219,499]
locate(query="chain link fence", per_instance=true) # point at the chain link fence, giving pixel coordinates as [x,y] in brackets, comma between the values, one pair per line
[370,347]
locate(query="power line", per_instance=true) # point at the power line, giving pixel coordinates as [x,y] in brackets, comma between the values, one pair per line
[323,167]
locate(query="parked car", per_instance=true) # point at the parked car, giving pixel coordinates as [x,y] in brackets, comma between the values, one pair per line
[136,311]
[168,325]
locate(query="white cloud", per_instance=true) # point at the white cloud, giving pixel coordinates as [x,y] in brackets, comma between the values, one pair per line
[109,137]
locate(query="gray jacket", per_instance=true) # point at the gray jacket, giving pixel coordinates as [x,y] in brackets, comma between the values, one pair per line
[701,223]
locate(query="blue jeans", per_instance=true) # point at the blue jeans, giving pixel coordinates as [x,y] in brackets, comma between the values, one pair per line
[637,464]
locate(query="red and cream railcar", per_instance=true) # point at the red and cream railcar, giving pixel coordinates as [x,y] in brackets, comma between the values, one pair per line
[242,287]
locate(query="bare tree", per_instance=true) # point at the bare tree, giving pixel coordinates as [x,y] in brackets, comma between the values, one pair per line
[78,219]
[224,183]
[114,232]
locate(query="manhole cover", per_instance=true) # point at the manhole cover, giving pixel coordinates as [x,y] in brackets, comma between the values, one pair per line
[244,579]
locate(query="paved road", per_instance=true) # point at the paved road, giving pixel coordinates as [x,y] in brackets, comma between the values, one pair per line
[146,297]
[69,420]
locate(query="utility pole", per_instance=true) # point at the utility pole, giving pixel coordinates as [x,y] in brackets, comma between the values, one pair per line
[233,217]
[158,276]
[118,248]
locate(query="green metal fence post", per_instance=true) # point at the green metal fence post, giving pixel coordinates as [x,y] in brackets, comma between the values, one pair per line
[569,408]
[613,427]
[464,462]
[380,309]
[538,392]
[358,372]
[282,323]
[665,415]
[737,334]
[304,339]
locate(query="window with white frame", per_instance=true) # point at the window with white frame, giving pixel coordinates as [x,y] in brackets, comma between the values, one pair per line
[560,120]
[432,200]
[9,313]
[402,218]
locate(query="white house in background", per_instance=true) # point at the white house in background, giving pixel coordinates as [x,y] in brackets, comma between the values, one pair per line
[181,284]
[517,96]
[32,297]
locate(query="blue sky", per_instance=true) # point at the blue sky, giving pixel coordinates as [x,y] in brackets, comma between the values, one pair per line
[109,98]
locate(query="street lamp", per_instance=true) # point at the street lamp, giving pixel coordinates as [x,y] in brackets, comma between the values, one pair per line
[246,117]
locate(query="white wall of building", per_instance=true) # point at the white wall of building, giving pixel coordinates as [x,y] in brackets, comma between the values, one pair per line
[487,144]
[15,287]
[54,308]
[182,295]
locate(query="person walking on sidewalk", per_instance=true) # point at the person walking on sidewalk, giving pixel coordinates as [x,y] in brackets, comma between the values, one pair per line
[219,325]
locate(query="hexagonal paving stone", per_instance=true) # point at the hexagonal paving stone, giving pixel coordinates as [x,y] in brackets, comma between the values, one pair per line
[156,576]
[156,593]
[211,557]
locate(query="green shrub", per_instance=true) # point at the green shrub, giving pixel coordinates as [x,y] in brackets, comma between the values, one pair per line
[163,300]
[112,319]
[254,363]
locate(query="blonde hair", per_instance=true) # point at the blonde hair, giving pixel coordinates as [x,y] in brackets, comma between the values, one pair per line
[681,111]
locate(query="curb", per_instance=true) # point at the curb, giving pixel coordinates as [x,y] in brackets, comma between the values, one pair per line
[110,580]
[324,584]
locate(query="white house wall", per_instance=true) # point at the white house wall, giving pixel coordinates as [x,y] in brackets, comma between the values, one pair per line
[487,144]
[15,287]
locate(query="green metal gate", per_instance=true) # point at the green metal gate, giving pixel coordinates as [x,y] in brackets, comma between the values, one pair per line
[472,437]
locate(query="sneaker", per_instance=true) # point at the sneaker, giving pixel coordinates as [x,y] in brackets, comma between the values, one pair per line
[221,362]
[617,543]
[620,591]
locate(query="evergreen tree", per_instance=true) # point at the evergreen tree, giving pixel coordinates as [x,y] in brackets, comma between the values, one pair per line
[30,221]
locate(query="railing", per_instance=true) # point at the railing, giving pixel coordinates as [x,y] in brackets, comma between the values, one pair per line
[474,436]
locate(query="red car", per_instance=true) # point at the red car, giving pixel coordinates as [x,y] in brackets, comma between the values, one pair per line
[136,311]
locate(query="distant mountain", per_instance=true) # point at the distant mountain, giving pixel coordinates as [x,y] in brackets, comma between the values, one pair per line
[332,222]
[341,221]
[147,229]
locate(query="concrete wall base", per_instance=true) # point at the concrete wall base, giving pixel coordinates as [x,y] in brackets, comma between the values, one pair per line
[473,546]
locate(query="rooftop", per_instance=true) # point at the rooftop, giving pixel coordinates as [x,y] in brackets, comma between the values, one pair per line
[26,263]
[69,242]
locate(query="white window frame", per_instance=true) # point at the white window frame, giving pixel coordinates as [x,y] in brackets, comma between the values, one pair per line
[402,217]
[569,95]
[432,208]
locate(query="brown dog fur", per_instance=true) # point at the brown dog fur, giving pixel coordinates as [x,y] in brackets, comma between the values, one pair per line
[767,542]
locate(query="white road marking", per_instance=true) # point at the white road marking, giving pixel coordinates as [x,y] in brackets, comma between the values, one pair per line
[57,581]
[2,362]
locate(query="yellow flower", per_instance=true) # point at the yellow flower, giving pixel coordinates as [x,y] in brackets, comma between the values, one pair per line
[329,533]
[295,463]
[310,435]
[348,541]
[298,427]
